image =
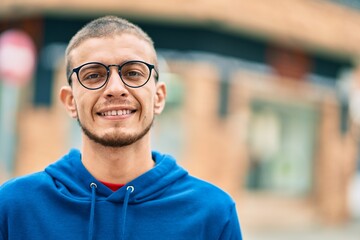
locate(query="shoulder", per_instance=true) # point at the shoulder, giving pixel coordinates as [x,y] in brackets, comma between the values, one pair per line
[17,197]
[212,204]
[21,186]
[210,193]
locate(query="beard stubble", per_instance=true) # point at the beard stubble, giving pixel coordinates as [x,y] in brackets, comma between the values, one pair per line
[115,141]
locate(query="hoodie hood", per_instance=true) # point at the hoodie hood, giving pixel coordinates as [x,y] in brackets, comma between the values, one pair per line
[73,180]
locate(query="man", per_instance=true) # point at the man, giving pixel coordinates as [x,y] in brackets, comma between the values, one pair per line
[116,187]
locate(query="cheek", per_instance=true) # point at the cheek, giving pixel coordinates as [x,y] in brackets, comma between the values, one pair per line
[84,104]
[146,99]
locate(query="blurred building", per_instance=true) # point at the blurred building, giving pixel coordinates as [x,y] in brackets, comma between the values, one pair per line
[259,97]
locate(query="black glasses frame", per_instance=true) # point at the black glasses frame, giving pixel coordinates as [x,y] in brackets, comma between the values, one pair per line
[77,70]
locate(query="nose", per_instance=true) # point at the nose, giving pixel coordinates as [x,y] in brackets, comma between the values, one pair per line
[115,86]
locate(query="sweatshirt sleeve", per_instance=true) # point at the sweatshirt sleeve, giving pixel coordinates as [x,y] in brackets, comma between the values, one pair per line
[5,201]
[232,229]
[2,236]
[2,218]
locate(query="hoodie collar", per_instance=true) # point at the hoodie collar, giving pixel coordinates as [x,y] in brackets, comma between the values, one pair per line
[72,179]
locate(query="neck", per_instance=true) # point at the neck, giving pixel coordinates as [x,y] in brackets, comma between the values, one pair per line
[117,164]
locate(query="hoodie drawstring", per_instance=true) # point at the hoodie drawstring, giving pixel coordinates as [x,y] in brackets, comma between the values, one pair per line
[93,187]
[129,190]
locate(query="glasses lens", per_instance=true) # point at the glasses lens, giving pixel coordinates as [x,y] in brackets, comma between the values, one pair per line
[93,75]
[135,74]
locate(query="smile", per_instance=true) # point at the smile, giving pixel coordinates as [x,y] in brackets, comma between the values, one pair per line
[116,112]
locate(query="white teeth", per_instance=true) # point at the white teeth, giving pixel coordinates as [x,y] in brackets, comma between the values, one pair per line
[116,113]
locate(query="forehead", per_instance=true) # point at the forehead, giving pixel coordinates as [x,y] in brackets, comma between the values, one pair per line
[113,50]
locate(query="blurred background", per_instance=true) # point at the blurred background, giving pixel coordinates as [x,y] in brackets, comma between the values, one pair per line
[263,101]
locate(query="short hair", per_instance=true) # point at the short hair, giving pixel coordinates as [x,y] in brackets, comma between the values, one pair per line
[103,27]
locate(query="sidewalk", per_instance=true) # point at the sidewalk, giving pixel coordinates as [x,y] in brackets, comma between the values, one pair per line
[350,231]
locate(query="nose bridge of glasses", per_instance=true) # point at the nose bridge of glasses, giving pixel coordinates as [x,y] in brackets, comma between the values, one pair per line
[113,65]
[117,69]
[110,74]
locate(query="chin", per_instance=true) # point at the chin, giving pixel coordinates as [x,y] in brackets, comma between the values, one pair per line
[115,137]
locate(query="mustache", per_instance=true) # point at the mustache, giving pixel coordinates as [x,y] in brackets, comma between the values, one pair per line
[116,102]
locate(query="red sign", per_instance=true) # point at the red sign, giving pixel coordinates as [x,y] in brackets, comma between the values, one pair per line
[17,57]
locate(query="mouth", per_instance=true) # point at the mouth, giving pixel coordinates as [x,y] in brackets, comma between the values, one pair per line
[121,112]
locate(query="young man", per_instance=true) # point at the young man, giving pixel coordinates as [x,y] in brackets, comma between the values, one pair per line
[116,187]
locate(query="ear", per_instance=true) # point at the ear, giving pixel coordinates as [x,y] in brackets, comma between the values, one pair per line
[67,98]
[160,97]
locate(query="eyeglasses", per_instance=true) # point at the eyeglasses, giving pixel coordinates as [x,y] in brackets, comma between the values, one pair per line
[95,75]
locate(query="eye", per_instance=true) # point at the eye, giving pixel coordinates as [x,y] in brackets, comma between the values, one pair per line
[92,76]
[93,72]
[133,73]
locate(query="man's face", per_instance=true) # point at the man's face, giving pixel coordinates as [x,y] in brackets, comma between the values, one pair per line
[114,115]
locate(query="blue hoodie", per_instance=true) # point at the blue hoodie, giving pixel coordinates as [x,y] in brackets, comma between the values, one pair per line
[66,202]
